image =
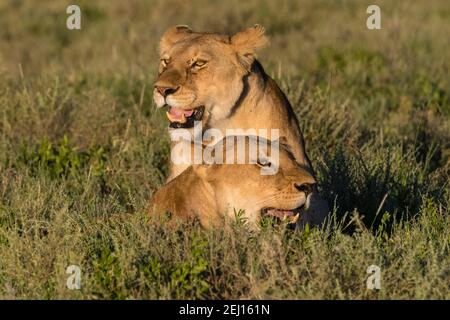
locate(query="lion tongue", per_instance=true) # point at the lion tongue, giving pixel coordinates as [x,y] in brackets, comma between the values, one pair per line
[177,114]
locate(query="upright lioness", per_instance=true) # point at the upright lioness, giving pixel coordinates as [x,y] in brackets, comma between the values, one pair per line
[215,78]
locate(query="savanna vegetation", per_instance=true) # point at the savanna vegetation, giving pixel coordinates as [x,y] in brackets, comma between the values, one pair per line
[82,149]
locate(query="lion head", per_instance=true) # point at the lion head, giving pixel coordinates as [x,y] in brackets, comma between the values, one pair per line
[201,74]
[208,191]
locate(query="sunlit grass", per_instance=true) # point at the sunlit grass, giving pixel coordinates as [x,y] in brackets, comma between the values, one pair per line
[82,149]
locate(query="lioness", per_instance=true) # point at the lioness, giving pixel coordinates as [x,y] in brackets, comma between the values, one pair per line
[210,191]
[215,78]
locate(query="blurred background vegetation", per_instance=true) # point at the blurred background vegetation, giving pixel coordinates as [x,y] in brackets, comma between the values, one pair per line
[82,149]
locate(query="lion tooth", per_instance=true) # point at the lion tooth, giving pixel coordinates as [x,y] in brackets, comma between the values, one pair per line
[173,119]
[295,218]
[170,117]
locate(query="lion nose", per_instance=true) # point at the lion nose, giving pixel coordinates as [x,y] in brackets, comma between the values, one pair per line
[165,91]
[307,188]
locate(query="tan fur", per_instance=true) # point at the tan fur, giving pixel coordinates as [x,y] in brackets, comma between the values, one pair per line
[232,86]
[212,192]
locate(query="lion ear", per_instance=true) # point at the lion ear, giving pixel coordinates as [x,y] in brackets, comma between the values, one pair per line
[172,35]
[247,42]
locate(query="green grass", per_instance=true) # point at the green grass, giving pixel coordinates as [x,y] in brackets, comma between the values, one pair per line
[82,149]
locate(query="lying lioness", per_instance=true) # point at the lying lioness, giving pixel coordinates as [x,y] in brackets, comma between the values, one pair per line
[211,192]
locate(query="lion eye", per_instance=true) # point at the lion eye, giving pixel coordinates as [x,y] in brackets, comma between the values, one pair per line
[198,64]
[264,163]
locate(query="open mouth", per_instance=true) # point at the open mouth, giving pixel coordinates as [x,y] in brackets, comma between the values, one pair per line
[289,216]
[181,118]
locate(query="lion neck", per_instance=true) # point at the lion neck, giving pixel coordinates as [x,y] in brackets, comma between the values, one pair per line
[262,105]
[252,93]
